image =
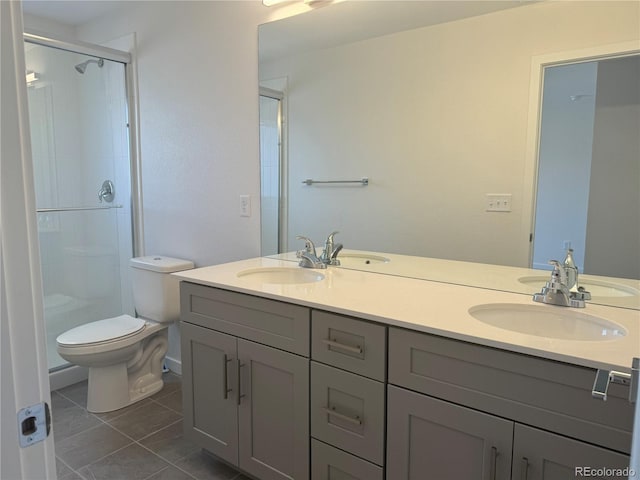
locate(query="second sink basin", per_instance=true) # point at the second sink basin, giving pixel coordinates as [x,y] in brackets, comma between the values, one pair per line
[282,275]
[360,259]
[547,321]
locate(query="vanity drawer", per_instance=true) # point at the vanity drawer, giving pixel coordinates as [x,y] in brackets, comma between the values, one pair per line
[347,411]
[551,395]
[350,344]
[277,324]
[329,463]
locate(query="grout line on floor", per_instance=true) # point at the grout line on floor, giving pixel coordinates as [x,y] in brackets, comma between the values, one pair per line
[169,462]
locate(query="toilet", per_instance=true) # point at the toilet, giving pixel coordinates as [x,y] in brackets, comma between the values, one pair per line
[125,354]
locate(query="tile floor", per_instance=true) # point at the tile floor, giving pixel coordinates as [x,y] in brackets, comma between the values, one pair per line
[141,442]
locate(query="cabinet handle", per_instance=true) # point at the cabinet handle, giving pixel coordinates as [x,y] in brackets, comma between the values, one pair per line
[524,468]
[332,411]
[492,464]
[225,377]
[240,395]
[332,343]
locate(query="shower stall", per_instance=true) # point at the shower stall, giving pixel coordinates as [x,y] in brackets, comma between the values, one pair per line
[79,121]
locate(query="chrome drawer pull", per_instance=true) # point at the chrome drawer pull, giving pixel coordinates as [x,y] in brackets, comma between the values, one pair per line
[332,343]
[342,416]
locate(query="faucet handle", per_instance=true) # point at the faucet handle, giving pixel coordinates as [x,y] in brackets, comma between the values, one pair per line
[331,235]
[558,275]
[308,244]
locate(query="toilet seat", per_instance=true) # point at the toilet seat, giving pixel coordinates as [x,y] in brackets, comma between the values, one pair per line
[101,331]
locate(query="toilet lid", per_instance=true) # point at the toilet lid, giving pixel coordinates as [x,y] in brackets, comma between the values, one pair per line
[102,330]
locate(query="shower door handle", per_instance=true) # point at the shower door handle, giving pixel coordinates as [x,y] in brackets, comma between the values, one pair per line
[107,192]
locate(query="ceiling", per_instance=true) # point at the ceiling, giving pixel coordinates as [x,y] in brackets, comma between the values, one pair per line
[69,12]
[349,21]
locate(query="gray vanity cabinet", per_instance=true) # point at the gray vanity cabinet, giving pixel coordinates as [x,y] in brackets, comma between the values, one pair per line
[488,404]
[244,401]
[431,438]
[377,402]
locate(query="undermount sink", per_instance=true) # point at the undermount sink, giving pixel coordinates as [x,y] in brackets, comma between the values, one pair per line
[597,288]
[547,321]
[282,275]
[360,259]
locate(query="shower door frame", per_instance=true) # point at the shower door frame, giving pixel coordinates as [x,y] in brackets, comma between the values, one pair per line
[127,60]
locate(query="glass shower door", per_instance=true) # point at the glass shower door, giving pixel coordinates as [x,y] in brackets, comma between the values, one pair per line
[80,144]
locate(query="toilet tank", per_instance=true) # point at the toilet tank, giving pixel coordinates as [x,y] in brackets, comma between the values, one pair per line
[156,293]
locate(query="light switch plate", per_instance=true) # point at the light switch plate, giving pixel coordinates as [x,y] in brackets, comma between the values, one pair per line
[498,202]
[245,205]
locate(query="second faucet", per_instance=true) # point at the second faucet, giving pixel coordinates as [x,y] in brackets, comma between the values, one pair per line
[309,258]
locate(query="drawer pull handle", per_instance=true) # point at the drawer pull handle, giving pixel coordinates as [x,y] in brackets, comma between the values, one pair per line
[332,343]
[225,377]
[332,411]
[524,468]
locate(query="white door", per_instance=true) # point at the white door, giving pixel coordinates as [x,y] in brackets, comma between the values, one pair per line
[25,450]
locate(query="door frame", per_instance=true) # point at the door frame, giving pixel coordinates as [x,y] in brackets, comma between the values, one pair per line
[25,376]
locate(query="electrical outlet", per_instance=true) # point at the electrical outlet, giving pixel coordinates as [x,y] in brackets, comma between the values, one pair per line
[498,202]
[245,205]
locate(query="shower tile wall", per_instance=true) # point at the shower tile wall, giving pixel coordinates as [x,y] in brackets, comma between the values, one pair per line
[79,140]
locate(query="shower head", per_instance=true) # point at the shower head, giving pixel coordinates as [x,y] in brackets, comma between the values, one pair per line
[81,67]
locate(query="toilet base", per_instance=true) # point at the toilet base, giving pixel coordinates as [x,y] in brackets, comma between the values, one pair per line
[112,387]
[108,394]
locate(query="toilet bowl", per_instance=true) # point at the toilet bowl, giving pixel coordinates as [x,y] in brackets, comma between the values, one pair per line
[125,354]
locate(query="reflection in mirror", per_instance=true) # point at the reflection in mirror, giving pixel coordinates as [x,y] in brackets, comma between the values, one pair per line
[270,164]
[436,116]
[588,191]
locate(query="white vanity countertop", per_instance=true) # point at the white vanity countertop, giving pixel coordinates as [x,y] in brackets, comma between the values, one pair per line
[484,275]
[428,306]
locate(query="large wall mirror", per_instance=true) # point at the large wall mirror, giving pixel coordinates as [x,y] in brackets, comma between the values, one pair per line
[436,104]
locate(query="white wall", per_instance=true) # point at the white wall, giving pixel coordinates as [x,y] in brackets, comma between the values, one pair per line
[465,86]
[197,77]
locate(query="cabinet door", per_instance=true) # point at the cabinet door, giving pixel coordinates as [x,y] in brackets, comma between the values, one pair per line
[433,439]
[273,413]
[209,376]
[540,455]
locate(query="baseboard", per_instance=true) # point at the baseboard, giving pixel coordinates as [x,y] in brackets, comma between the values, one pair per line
[67,376]
[174,365]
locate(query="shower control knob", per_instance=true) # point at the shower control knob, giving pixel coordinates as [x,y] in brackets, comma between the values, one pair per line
[107,192]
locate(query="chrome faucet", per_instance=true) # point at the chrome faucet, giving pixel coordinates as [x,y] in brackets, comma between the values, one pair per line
[556,292]
[308,256]
[331,250]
